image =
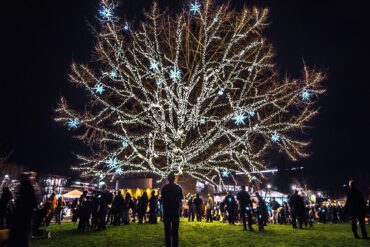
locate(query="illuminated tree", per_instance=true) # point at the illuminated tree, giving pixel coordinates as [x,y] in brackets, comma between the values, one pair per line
[194,93]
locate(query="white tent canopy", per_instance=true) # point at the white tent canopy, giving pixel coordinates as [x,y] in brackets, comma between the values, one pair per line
[72,194]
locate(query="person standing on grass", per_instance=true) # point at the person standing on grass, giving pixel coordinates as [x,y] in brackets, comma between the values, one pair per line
[296,209]
[191,208]
[153,201]
[209,208]
[198,204]
[245,204]
[356,208]
[230,207]
[59,210]
[171,197]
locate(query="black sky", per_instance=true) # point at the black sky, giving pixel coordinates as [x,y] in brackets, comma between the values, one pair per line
[42,37]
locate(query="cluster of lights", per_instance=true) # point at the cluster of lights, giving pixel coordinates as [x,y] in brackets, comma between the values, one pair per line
[173,107]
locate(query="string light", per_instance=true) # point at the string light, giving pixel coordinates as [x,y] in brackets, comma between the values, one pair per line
[168,116]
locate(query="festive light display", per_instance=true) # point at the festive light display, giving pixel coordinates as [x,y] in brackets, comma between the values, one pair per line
[195,93]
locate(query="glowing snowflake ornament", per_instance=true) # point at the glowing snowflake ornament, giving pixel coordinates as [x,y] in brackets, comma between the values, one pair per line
[106,12]
[73,123]
[175,74]
[124,144]
[153,65]
[225,173]
[119,171]
[239,118]
[221,92]
[202,121]
[112,162]
[275,137]
[194,8]
[125,27]
[99,88]
[305,95]
[113,74]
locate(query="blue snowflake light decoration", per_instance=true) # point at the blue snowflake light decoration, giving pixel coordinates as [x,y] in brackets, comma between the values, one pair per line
[275,137]
[225,173]
[124,144]
[113,74]
[215,19]
[106,12]
[252,113]
[175,74]
[221,92]
[112,162]
[153,65]
[202,121]
[73,123]
[99,88]
[239,118]
[194,8]
[125,27]
[119,171]
[306,95]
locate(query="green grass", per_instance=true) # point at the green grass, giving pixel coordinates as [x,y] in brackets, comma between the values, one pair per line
[203,234]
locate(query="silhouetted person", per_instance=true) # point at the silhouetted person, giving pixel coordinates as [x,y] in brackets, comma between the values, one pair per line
[6,208]
[262,213]
[356,208]
[297,209]
[105,199]
[274,206]
[127,204]
[197,204]
[117,207]
[74,209]
[191,208]
[142,207]
[230,207]
[209,209]
[153,201]
[171,197]
[26,203]
[245,204]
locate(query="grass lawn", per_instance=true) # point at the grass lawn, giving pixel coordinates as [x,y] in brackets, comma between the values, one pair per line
[203,234]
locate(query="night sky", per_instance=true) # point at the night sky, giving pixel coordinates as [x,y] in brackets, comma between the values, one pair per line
[43,37]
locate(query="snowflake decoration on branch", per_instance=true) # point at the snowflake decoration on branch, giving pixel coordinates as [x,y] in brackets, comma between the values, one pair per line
[167,109]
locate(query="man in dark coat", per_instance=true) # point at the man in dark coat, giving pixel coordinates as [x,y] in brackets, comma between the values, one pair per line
[171,197]
[198,203]
[230,207]
[356,208]
[245,204]
[191,208]
[297,209]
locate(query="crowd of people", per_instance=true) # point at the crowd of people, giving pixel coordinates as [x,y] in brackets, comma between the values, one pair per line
[94,210]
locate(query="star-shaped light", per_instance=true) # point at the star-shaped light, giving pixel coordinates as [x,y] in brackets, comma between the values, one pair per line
[125,27]
[220,92]
[124,144]
[239,118]
[215,19]
[153,65]
[112,162]
[175,74]
[119,171]
[99,88]
[225,173]
[73,123]
[275,137]
[106,12]
[194,8]
[306,95]
[251,113]
[113,74]
[202,121]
